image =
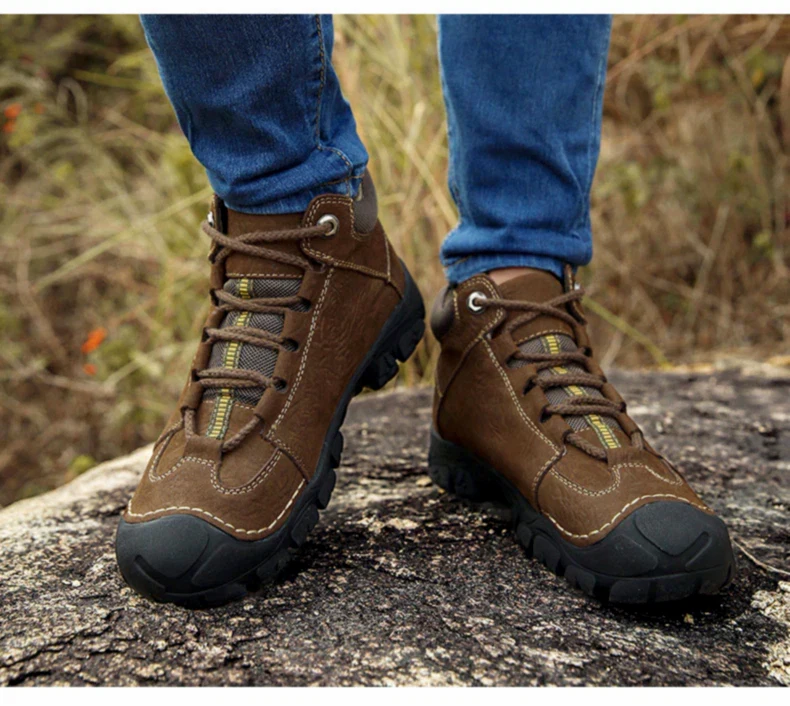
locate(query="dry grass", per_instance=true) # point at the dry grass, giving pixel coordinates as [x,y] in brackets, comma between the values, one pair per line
[100,202]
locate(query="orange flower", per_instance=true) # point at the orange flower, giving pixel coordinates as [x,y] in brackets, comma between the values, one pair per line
[10,126]
[89,368]
[94,340]
[12,111]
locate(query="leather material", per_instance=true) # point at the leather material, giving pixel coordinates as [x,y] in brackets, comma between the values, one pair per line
[442,314]
[354,284]
[366,205]
[480,404]
[539,286]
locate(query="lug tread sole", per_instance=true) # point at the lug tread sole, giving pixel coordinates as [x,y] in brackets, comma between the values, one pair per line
[458,472]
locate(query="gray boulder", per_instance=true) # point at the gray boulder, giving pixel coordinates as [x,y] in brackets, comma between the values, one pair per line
[403,584]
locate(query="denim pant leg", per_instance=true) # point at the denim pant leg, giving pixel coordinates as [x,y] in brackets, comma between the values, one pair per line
[261,106]
[523,97]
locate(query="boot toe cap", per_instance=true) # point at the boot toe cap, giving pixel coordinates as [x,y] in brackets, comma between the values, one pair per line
[154,555]
[663,551]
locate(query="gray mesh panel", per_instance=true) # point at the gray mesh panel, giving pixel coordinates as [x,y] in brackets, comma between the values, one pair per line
[557,395]
[265,288]
[251,357]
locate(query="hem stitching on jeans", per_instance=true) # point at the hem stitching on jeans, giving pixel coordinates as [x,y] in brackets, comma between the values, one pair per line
[600,81]
[322,83]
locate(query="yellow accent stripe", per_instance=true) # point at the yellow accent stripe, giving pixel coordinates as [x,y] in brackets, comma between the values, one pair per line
[220,416]
[601,428]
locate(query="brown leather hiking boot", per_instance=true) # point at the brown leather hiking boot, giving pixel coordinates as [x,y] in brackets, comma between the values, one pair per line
[524,415]
[308,309]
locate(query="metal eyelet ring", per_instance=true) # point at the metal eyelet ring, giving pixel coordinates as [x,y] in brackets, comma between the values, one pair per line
[333,221]
[472,300]
[210,218]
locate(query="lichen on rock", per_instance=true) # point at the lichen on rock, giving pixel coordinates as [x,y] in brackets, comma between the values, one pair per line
[403,584]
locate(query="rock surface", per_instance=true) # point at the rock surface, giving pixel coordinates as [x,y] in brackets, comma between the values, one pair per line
[402,584]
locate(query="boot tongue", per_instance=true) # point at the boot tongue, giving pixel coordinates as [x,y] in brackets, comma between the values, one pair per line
[240,223]
[239,264]
[248,277]
[535,286]
[549,334]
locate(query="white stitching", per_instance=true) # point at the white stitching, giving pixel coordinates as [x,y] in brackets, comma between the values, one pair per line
[513,397]
[165,439]
[443,386]
[616,472]
[214,517]
[297,460]
[345,264]
[483,281]
[178,426]
[621,511]
[558,452]
[677,479]
[581,489]
[303,361]
[498,316]
[261,476]
[265,275]
[389,263]
[341,200]
[178,464]
[533,336]
[390,280]
[244,405]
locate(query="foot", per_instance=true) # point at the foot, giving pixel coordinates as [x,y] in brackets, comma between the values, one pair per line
[307,310]
[524,415]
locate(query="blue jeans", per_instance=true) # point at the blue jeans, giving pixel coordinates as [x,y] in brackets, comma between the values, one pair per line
[262,108]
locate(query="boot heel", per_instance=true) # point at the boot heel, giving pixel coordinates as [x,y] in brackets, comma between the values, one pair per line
[457,471]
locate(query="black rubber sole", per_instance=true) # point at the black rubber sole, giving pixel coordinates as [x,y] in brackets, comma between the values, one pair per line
[185,560]
[664,551]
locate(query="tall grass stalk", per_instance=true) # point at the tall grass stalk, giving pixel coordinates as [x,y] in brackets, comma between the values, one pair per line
[100,204]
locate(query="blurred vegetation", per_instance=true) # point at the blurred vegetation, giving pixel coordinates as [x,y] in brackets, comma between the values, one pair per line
[103,276]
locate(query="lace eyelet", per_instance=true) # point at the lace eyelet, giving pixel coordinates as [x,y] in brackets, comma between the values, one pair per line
[281,385]
[528,387]
[544,416]
[290,345]
[210,218]
[471,304]
[334,224]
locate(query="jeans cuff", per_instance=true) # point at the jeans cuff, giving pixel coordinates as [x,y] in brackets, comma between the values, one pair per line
[467,267]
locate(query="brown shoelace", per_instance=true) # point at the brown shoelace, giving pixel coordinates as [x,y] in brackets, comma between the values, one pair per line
[252,244]
[582,405]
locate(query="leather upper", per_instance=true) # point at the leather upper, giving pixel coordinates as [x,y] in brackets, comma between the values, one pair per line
[354,283]
[480,404]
